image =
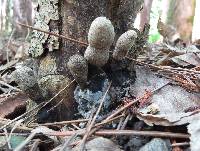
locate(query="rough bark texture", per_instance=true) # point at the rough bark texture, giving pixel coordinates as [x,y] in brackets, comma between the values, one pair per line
[22,12]
[180,15]
[196,23]
[74,19]
[145,13]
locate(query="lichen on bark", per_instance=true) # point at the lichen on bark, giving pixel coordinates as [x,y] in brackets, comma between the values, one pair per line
[47,12]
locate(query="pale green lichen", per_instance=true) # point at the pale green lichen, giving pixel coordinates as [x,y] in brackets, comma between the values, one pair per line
[48,10]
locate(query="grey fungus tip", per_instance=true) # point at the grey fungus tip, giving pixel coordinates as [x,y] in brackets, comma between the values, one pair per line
[100,37]
[96,57]
[27,81]
[24,77]
[101,33]
[78,67]
[124,44]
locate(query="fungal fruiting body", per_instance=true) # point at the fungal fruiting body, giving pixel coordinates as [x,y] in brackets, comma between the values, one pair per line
[98,57]
[101,33]
[24,77]
[78,67]
[100,37]
[26,80]
[124,44]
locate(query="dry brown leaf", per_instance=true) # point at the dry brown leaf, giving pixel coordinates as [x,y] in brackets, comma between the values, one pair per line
[187,59]
[172,100]
[9,104]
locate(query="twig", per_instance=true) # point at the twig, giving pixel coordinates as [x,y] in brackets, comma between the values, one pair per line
[180,144]
[126,133]
[7,56]
[55,105]
[8,65]
[126,121]
[165,68]
[120,122]
[61,123]
[56,35]
[181,69]
[143,133]
[75,126]
[108,121]
[93,120]
[26,141]
[65,146]
[9,86]
[18,128]
[7,138]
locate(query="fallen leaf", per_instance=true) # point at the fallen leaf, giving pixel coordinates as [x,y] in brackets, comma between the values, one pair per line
[10,104]
[187,59]
[171,100]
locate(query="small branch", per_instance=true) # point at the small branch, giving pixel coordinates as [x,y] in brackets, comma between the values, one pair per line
[35,145]
[133,102]
[61,123]
[180,144]
[10,86]
[26,141]
[126,133]
[142,133]
[7,55]
[53,34]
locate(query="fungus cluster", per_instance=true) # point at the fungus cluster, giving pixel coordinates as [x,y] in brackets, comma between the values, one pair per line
[101,36]
[49,79]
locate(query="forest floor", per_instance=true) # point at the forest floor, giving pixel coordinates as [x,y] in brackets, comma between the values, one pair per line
[160,111]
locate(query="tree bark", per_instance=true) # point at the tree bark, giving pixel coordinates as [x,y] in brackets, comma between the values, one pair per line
[196,23]
[145,13]
[22,12]
[180,15]
[71,18]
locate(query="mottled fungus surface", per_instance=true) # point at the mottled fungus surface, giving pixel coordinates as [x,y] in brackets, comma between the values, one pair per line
[124,44]
[78,67]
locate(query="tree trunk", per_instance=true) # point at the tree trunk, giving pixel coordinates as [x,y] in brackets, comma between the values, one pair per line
[180,15]
[22,12]
[71,18]
[196,23]
[145,13]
